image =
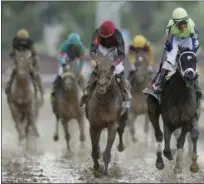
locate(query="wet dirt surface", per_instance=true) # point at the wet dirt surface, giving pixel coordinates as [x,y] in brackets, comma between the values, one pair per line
[48,161]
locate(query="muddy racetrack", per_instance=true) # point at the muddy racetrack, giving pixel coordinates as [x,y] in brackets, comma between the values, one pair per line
[48,161]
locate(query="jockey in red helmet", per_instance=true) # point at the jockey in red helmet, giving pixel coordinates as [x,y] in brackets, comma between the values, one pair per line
[106,37]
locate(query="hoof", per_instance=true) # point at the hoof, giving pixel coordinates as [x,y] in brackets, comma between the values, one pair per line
[134,139]
[177,170]
[56,138]
[96,166]
[194,168]
[120,148]
[168,154]
[159,161]
[159,165]
[105,173]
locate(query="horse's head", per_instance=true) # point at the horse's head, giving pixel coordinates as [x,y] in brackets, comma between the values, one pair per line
[141,64]
[23,62]
[105,70]
[140,57]
[68,77]
[187,65]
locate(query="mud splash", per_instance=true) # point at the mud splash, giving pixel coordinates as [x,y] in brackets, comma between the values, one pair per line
[48,161]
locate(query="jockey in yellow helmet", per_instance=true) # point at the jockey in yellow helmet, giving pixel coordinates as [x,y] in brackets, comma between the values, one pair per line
[140,42]
[20,42]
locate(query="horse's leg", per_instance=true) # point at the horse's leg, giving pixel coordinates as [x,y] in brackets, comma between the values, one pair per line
[64,122]
[30,122]
[34,126]
[95,137]
[56,134]
[121,130]
[131,125]
[176,134]
[194,136]
[153,111]
[179,156]
[16,118]
[80,121]
[167,137]
[112,129]
[146,126]
[190,147]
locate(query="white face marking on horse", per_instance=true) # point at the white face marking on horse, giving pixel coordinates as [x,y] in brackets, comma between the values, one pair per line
[189,57]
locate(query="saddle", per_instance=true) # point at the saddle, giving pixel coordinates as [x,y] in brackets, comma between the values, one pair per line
[150,91]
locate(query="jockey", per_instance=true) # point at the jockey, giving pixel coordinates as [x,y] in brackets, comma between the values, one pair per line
[20,42]
[140,42]
[71,49]
[107,36]
[181,30]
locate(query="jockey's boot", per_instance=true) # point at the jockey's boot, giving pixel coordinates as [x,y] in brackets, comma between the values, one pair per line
[9,83]
[55,85]
[91,82]
[125,88]
[199,93]
[198,96]
[158,84]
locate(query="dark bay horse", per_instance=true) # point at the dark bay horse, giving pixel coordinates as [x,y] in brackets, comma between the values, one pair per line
[67,106]
[178,110]
[103,110]
[23,99]
[139,80]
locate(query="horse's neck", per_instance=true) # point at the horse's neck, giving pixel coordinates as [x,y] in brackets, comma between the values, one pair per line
[22,83]
[176,88]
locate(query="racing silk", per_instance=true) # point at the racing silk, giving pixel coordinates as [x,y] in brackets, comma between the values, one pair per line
[20,44]
[147,48]
[71,52]
[189,31]
[114,41]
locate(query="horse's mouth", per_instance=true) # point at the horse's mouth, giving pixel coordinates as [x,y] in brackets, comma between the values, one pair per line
[189,84]
[101,90]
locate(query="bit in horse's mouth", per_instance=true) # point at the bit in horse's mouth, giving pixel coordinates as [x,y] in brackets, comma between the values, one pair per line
[101,90]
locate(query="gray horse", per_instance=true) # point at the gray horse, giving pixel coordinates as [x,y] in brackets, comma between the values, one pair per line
[103,110]
[23,99]
[66,104]
[139,79]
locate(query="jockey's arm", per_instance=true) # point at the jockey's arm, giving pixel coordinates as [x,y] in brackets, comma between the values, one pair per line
[195,37]
[62,54]
[120,49]
[94,45]
[150,55]
[14,47]
[81,57]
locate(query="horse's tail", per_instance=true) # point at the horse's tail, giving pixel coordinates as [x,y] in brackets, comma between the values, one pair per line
[56,134]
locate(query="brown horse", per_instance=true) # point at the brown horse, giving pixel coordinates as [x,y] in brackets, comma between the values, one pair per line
[23,99]
[139,80]
[103,110]
[66,106]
